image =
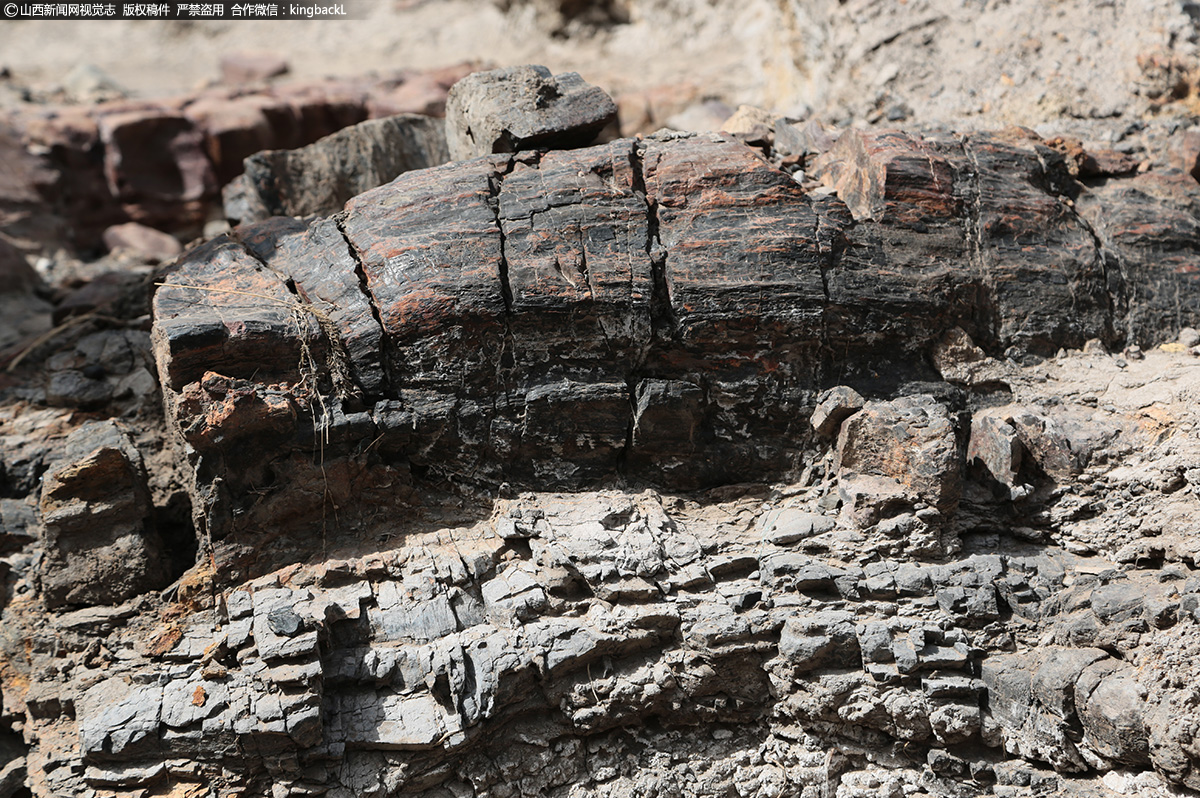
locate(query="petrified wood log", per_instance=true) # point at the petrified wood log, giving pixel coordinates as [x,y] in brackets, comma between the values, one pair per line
[661,311]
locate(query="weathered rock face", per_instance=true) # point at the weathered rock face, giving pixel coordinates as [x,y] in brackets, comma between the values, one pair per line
[972,572]
[101,546]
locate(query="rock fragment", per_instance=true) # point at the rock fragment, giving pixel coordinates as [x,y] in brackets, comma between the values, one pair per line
[101,545]
[319,178]
[894,454]
[152,244]
[525,107]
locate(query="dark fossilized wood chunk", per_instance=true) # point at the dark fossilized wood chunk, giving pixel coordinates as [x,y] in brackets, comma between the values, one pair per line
[575,243]
[221,308]
[315,257]
[430,247]
[1151,224]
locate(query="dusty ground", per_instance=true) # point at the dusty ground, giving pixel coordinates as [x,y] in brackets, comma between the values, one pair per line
[965,63]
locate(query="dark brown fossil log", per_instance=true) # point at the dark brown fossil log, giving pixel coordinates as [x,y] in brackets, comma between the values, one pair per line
[661,312]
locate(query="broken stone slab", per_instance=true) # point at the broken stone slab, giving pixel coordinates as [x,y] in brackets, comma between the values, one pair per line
[824,639]
[786,526]
[994,443]
[521,108]
[101,546]
[1002,438]
[959,360]
[319,178]
[906,450]
[220,305]
[1111,703]
[833,407]
[119,720]
[1032,696]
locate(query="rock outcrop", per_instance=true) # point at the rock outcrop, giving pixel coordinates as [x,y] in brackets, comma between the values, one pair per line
[163,162]
[639,469]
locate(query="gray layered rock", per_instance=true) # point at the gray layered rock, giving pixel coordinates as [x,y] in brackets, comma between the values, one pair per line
[879,557]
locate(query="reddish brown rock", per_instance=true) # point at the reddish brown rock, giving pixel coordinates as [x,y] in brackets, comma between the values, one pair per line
[161,162]
[982,221]
[155,166]
[248,67]
[431,253]
[236,128]
[145,241]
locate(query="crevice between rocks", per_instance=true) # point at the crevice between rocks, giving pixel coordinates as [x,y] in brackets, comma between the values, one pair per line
[507,354]
[985,311]
[495,186]
[662,314]
[1102,256]
[339,221]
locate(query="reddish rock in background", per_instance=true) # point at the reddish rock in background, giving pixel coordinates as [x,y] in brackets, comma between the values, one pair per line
[145,241]
[249,67]
[163,162]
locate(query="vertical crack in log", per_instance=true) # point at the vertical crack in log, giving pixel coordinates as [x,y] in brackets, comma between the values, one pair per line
[831,244]
[364,287]
[985,311]
[506,359]
[1100,261]
[495,186]
[626,451]
[662,314]
[1112,303]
